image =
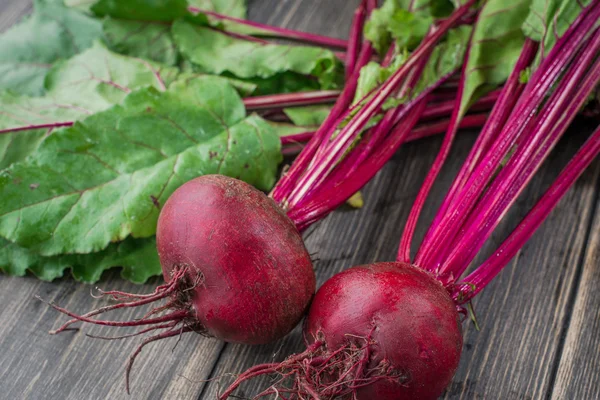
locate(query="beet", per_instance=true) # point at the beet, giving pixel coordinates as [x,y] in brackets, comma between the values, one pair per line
[256,275]
[381,331]
[234,264]
[408,319]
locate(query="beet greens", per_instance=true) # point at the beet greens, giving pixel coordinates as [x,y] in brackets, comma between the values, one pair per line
[391,330]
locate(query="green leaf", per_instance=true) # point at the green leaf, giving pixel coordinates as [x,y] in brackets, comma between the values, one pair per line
[405,21]
[286,129]
[98,78]
[285,82]
[148,40]
[215,52]
[408,29]
[163,10]
[87,83]
[549,19]
[447,57]
[16,146]
[81,5]
[309,115]
[376,28]
[138,259]
[106,177]
[495,47]
[373,75]
[28,49]
[233,8]
[244,88]
[142,10]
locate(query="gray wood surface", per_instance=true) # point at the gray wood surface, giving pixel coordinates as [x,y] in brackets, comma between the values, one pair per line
[540,324]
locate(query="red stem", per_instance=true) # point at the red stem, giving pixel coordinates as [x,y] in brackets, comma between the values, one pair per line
[439,110]
[419,132]
[436,128]
[440,160]
[391,118]
[355,39]
[297,138]
[268,30]
[568,97]
[482,276]
[540,83]
[343,140]
[284,186]
[278,101]
[493,127]
[327,200]
[389,56]
[40,126]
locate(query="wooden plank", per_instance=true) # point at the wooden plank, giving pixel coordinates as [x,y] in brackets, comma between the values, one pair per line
[12,11]
[521,314]
[524,313]
[579,366]
[72,366]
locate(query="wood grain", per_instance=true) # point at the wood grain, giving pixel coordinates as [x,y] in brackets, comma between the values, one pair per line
[579,366]
[540,325]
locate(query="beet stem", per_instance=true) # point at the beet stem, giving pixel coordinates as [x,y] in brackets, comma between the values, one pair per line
[440,160]
[323,203]
[275,31]
[541,81]
[493,127]
[482,276]
[343,140]
[278,101]
[568,97]
[36,126]
[354,42]
[283,188]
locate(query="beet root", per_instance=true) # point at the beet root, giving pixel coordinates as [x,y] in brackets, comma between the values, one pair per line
[257,277]
[382,331]
[235,268]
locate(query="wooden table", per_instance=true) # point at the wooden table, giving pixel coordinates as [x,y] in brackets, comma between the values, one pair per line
[540,319]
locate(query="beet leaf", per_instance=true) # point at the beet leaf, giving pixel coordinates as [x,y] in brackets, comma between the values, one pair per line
[216,53]
[137,257]
[92,192]
[144,39]
[548,20]
[28,49]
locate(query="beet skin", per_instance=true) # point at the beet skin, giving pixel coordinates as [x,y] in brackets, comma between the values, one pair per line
[255,277]
[386,331]
[407,317]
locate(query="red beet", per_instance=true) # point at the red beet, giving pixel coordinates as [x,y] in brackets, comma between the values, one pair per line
[256,275]
[408,319]
[235,268]
[384,331]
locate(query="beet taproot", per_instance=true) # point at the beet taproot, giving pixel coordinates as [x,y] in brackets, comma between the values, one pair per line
[234,264]
[256,275]
[383,331]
